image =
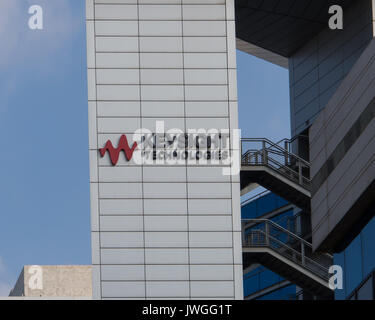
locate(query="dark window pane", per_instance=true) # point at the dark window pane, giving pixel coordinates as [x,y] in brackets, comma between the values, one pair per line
[249,211]
[268,278]
[266,204]
[286,293]
[339,259]
[366,291]
[353,265]
[368,242]
[251,284]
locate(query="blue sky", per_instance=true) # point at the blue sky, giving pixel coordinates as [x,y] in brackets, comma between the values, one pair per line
[44,173]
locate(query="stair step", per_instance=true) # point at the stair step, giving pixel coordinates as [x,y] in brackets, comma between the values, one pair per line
[289,270]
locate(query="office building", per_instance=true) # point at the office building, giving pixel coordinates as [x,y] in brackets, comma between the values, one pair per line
[158,69]
[327,169]
[165,189]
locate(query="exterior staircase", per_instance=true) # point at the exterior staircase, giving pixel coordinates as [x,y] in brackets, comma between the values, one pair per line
[285,253]
[275,168]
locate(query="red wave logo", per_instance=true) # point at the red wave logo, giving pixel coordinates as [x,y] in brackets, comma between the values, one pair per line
[114,153]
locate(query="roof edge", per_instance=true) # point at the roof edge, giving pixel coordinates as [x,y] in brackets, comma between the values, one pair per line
[262,53]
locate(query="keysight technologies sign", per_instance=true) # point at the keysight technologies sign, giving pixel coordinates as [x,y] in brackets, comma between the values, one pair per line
[218,147]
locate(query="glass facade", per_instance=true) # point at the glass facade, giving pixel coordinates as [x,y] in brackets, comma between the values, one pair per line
[366,289]
[263,205]
[358,262]
[285,293]
[261,278]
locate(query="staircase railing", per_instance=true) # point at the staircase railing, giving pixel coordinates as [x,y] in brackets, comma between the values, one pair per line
[266,233]
[296,296]
[288,143]
[263,152]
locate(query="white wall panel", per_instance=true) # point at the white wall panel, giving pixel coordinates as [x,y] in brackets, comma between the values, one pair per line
[112,12]
[167,272]
[202,272]
[123,273]
[116,44]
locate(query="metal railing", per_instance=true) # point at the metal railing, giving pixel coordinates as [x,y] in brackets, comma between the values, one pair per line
[290,223]
[266,233]
[288,143]
[296,296]
[263,152]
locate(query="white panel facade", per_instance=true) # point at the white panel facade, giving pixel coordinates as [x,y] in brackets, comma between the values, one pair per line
[159,229]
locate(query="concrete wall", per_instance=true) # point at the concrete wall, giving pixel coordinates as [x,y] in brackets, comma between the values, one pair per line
[162,231]
[342,150]
[54,282]
[317,69]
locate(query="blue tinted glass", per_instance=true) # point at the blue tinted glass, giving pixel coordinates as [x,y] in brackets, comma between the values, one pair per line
[251,284]
[280,202]
[368,242]
[268,278]
[249,211]
[282,219]
[261,278]
[255,271]
[353,264]
[339,259]
[263,205]
[289,292]
[258,279]
[266,204]
[285,293]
